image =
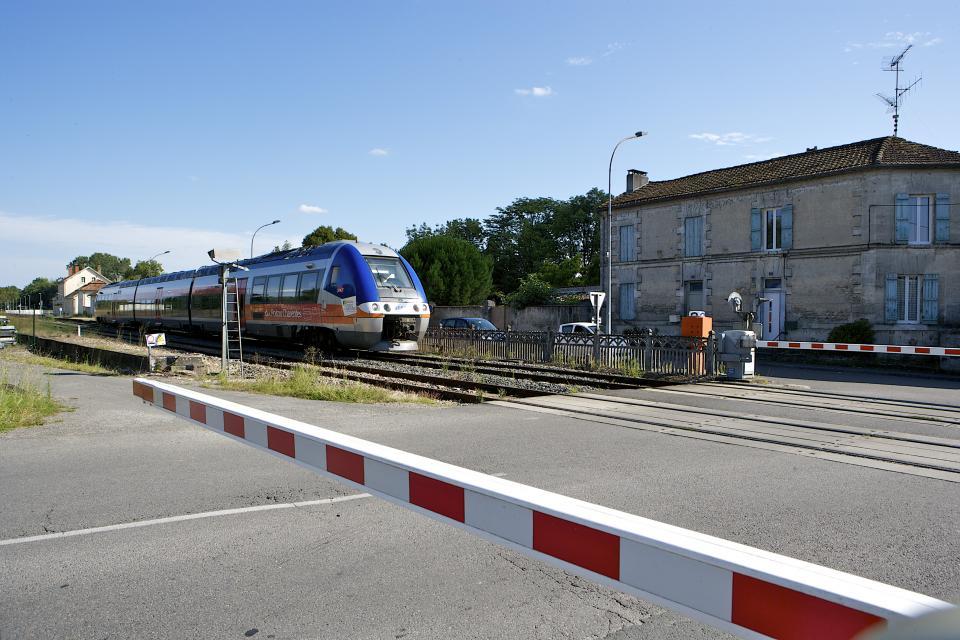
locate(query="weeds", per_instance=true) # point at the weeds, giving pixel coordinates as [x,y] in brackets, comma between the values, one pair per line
[21,356]
[306,384]
[24,404]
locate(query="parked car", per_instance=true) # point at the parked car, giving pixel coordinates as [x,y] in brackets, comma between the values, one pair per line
[8,332]
[578,327]
[477,324]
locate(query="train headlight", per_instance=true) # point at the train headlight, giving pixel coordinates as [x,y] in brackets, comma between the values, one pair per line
[416,308]
[386,307]
[375,307]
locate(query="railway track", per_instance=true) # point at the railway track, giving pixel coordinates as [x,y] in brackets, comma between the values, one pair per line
[889,409]
[461,381]
[918,455]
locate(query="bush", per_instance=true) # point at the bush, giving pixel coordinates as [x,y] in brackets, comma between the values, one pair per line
[858,332]
[532,291]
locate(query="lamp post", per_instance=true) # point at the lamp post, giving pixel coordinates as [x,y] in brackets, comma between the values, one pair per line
[638,134]
[162,253]
[255,234]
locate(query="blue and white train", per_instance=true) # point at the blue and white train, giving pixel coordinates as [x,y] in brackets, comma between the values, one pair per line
[349,294]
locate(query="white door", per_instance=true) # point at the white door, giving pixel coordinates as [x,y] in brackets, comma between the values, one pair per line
[772,314]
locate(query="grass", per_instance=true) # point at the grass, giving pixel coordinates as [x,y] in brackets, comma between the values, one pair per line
[46,327]
[24,405]
[309,385]
[22,356]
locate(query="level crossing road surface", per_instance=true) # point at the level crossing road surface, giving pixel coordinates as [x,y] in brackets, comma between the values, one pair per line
[340,565]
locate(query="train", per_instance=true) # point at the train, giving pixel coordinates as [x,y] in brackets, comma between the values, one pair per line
[341,294]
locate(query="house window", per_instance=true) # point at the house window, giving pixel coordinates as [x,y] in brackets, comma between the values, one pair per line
[912,299]
[83,279]
[693,296]
[628,243]
[693,236]
[919,214]
[772,230]
[627,310]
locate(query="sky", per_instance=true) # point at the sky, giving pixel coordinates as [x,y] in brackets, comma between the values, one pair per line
[135,128]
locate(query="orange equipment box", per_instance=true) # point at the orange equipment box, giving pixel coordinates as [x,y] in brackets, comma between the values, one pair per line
[695,326]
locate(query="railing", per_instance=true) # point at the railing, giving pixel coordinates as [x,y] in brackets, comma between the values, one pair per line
[644,353]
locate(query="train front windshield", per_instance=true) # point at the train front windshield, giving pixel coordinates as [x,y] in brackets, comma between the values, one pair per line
[388,272]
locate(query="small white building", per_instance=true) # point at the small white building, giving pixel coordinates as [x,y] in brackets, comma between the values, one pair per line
[76,293]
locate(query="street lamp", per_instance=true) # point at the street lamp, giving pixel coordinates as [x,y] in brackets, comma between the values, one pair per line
[255,234]
[638,134]
[162,253]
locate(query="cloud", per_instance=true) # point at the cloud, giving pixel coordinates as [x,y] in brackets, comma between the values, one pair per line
[897,39]
[538,92]
[580,61]
[46,243]
[311,208]
[612,48]
[730,139]
[379,152]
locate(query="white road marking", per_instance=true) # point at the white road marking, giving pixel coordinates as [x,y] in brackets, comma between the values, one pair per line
[191,516]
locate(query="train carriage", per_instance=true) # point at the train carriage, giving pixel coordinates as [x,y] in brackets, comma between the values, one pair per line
[355,295]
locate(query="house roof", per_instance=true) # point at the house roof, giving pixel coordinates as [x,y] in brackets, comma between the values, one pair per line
[886,152]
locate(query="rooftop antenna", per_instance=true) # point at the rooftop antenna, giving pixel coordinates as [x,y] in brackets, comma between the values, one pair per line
[893,103]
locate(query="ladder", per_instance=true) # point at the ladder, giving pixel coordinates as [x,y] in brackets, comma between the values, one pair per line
[233,340]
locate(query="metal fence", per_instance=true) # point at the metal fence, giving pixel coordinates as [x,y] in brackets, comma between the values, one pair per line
[643,353]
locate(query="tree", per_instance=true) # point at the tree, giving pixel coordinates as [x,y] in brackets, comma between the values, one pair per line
[9,296]
[108,265]
[324,234]
[452,270]
[565,273]
[144,269]
[519,239]
[41,288]
[286,246]
[469,229]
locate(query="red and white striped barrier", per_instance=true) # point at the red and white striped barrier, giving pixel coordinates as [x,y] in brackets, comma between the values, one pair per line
[860,348]
[746,591]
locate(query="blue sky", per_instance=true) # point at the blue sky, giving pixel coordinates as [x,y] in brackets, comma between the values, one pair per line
[134,127]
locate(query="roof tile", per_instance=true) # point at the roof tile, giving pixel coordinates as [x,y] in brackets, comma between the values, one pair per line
[876,153]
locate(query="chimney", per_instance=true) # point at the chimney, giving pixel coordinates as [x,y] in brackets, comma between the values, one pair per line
[71,269]
[636,180]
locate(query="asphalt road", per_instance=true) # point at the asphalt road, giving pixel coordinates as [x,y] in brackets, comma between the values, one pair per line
[362,568]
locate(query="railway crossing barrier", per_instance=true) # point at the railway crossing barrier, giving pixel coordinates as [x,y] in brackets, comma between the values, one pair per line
[860,348]
[743,590]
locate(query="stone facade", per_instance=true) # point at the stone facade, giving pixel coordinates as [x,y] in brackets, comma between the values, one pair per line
[844,262]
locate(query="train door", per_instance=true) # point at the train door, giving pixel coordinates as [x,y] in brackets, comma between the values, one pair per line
[158,304]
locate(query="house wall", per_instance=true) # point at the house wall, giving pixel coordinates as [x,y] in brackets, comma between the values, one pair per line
[843,248]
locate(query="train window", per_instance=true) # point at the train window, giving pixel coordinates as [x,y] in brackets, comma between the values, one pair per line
[388,272]
[309,286]
[288,292]
[273,289]
[334,274]
[259,290]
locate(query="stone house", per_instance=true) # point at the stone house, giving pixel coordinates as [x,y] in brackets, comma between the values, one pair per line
[811,240]
[76,293]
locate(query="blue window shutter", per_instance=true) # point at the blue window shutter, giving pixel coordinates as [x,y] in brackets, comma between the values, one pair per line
[942,232]
[786,227]
[902,218]
[890,299]
[700,235]
[931,298]
[755,235]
